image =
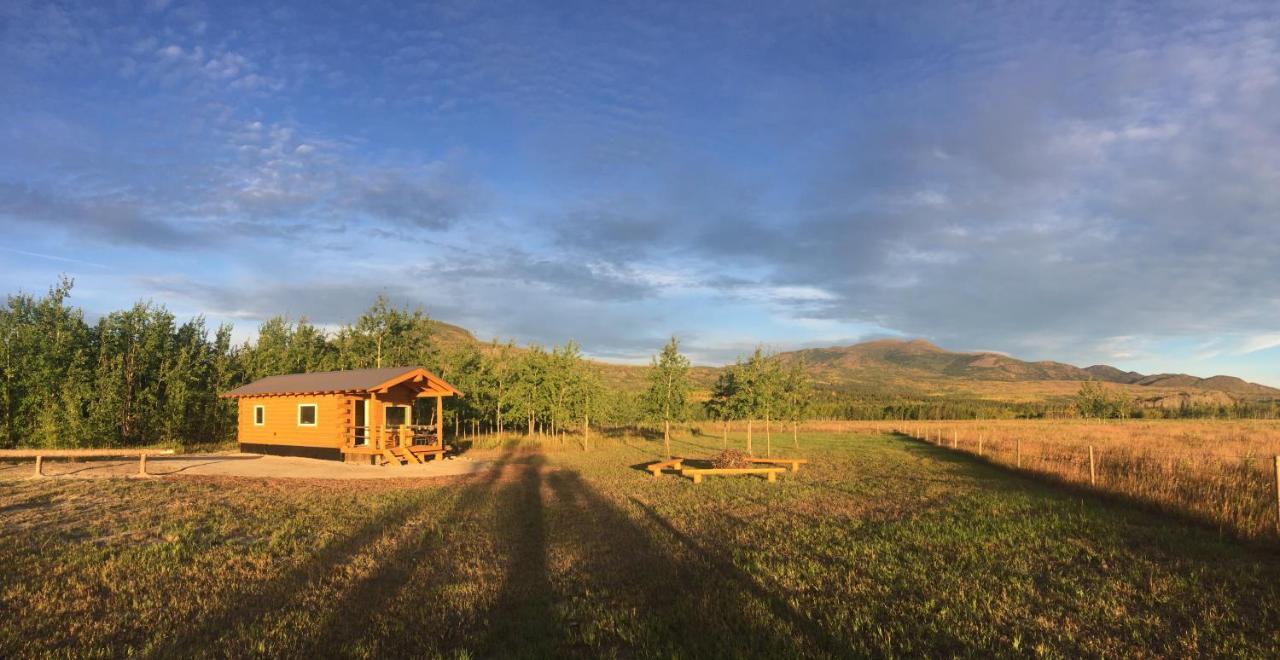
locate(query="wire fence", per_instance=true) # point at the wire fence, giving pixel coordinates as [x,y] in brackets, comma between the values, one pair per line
[1235,489]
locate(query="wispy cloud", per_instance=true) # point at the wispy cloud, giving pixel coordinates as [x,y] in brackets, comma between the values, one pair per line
[54,257]
[1260,343]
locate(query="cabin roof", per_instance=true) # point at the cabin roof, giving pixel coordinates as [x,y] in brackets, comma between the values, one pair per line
[352,380]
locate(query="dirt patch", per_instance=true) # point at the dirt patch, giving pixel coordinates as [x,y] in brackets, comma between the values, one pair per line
[252,466]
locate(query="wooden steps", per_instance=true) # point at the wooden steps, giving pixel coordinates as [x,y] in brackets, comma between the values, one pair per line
[408,455]
[393,458]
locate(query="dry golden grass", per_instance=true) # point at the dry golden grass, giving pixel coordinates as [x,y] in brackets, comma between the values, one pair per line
[1218,472]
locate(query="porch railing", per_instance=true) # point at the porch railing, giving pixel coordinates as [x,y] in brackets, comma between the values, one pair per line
[390,437]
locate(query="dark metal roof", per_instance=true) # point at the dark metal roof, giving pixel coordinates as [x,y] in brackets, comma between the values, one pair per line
[325,381]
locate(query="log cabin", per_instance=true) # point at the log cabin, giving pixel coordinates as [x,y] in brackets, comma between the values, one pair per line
[359,415]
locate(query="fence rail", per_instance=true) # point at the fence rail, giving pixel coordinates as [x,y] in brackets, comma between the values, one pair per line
[41,454]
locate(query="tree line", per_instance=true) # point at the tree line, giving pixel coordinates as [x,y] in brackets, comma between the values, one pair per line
[138,377]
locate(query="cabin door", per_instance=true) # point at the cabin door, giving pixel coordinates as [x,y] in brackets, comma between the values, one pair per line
[361,430]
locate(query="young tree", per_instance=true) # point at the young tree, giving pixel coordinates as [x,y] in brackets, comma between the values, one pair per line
[724,395]
[527,390]
[464,367]
[586,398]
[1093,400]
[668,391]
[796,397]
[502,368]
[770,385]
[753,387]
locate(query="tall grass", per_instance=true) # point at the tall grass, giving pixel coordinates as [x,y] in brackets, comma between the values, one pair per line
[1219,472]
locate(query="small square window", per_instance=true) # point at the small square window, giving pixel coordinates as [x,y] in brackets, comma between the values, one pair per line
[306,414]
[259,415]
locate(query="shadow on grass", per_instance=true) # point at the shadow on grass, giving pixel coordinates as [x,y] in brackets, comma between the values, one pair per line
[674,606]
[260,600]
[727,576]
[626,591]
[366,604]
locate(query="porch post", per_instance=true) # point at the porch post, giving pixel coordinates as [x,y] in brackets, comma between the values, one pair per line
[440,420]
[370,415]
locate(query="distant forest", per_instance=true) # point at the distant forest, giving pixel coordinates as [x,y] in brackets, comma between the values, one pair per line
[138,377]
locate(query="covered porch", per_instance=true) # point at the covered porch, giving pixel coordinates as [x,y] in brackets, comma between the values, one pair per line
[398,422]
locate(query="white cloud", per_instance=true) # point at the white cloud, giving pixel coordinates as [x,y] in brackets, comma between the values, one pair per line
[1260,342]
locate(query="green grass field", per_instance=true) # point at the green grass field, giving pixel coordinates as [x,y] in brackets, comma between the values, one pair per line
[882,546]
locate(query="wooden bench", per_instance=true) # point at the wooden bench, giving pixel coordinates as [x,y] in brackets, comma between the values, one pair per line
[795,463]
[41,454]
[657,468]
[698,473]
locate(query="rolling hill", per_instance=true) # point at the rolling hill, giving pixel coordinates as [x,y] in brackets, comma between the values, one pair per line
[920,366]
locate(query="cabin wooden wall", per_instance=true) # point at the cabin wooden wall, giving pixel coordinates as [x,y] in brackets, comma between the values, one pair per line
[333,416]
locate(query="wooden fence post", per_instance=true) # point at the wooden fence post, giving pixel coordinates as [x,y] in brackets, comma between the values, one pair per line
[1019,453]
[1277,462]
[39,466]
[1093,472]
[955,442]
[142,465]
[980,438]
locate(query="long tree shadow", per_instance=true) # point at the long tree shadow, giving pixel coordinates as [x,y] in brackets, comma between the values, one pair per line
[521,622]
[258,601]
[364,606]
[686,599]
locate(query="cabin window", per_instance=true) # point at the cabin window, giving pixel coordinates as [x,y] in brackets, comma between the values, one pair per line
[306,414]
[397,415]
[259,415]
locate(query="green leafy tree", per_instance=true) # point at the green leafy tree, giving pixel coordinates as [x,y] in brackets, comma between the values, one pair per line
[1094,401]
[770,381]
[756,385]
[667,396]
[796,393]
[589,399]
[528,392]
[502,370]
[722,404]
[387,336]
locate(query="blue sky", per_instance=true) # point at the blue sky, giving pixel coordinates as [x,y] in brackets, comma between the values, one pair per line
[1077,181]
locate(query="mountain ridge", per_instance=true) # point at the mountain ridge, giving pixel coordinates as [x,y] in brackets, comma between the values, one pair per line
[918,365]
[922,356]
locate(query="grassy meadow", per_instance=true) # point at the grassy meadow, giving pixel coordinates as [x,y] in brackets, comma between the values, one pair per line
[883,545]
